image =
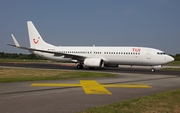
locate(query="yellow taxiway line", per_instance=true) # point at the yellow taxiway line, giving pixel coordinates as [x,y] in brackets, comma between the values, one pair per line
[93,87]
[56,85]
[127,86]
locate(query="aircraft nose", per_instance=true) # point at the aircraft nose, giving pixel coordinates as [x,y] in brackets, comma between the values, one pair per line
[170,59]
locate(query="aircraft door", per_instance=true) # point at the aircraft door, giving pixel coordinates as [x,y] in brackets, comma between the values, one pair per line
[148,55]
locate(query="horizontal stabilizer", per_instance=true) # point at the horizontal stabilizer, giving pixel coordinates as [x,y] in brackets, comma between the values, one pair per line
[11,45]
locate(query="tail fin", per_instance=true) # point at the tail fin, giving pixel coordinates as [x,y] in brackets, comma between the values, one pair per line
[35,39]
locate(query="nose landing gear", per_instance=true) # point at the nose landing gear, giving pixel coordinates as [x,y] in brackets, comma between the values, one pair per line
[153,70]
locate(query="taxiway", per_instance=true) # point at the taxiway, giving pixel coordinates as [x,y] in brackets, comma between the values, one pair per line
[20,97]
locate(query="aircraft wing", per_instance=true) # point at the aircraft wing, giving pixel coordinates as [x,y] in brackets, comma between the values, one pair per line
[72,56]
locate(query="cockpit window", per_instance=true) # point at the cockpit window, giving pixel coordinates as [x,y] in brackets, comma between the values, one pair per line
[161,53]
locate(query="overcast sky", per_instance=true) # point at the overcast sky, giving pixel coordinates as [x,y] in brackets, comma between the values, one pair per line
[149,23]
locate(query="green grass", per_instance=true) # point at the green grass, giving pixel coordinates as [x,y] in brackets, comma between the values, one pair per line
[174,63]
[171,69]
[167,102]
[17,75]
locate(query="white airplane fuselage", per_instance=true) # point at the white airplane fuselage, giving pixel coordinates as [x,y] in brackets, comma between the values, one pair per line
[112,55]
[93,56]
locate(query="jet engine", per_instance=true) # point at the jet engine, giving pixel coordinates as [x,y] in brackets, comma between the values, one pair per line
[93,62]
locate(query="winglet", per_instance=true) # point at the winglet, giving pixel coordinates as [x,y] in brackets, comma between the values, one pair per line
[15,41]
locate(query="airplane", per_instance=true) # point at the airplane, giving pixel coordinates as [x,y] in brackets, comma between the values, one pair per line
[94,56]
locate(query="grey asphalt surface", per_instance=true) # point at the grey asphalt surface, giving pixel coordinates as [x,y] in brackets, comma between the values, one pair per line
[20,97]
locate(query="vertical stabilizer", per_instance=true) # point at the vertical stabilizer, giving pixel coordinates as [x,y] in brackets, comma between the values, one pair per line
[35,39]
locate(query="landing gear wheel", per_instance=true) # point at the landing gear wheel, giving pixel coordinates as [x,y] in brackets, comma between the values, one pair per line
[79,66]
[153,70]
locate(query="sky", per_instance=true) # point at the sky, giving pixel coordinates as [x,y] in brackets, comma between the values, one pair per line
[144,23]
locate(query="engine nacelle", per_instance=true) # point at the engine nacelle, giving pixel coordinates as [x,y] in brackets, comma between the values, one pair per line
[93,62]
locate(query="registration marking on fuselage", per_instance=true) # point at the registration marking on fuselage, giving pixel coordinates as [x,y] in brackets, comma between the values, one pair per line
[93,87]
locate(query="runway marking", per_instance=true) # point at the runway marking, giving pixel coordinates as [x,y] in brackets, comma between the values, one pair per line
[93,87]
[128,86]
[55,85]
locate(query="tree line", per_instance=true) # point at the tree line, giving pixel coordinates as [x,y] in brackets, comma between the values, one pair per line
[176,57]
[34,57]
[19,56]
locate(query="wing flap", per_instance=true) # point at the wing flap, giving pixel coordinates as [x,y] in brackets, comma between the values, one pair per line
[72,56]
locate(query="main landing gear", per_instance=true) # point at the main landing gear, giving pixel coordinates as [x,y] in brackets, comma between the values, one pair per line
[79,66]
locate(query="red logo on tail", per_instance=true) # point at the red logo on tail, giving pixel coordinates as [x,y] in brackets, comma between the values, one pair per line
[36,41]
